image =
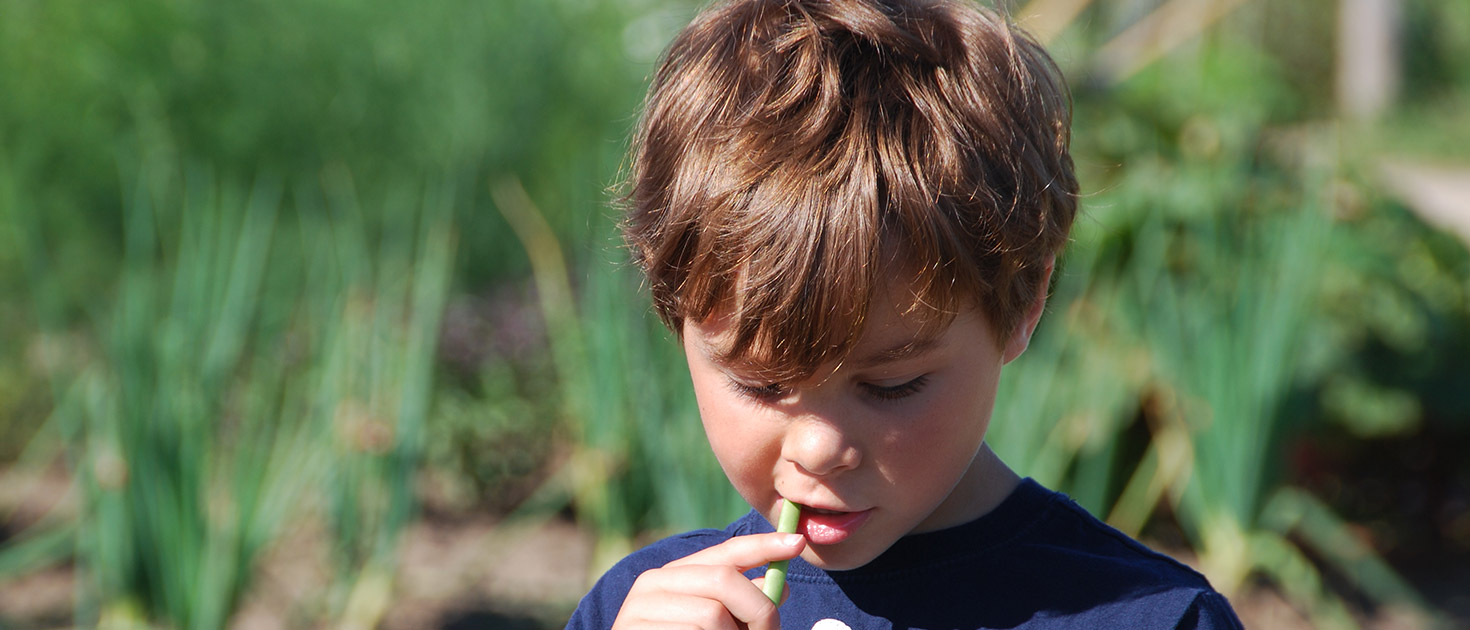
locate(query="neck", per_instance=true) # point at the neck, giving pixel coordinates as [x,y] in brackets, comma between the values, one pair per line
[993,480]
[986,483]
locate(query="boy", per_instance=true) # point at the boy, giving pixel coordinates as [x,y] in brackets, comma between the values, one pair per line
[848,211]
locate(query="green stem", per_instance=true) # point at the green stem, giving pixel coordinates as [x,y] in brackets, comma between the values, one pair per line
[776,573]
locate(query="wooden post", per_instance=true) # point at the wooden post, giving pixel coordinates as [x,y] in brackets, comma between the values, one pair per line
[1368,56]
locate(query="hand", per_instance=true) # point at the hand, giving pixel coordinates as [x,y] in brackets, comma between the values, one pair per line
[707,590]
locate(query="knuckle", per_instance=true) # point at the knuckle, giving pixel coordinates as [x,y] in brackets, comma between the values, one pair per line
[720,580]
[646,581]
[709,613]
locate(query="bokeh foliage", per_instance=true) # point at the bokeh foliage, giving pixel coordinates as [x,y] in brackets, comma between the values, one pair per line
[228,231]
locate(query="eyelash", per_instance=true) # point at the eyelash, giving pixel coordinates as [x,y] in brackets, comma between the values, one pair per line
[774,391]
[900,391]
[762,393]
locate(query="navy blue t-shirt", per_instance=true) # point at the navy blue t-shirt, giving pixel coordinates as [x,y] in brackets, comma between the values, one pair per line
[1038,560]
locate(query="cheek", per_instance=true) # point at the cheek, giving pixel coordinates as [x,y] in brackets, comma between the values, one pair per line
[716,410]
[748,460]
[944,434]
[970,407]
[745,451]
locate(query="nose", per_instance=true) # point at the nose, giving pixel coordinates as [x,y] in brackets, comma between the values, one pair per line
[820,447]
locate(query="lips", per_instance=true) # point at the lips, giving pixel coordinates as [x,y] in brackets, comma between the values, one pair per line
[829,527]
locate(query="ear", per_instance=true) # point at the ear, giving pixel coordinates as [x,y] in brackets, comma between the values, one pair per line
[1021,336]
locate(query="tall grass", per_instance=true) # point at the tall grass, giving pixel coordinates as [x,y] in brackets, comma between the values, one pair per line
[381,337]
[182,465]
[1225,348]
[1228,351]
[641,462]
[453,91]
[1063,403]
[258,357]
[226,355]
[268,347]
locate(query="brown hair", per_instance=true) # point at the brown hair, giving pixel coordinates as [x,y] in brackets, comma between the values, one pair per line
[794,155]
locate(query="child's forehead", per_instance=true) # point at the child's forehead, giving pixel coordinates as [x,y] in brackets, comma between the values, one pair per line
[895,326]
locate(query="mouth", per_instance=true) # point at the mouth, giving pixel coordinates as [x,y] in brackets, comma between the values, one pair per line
[829,527]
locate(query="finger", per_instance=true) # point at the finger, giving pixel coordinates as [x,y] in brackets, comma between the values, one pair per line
[674,611]
[747,552]
[737,596]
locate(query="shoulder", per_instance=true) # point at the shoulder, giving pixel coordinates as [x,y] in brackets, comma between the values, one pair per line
[1117,579]
[1036,561]
[600,606]
[1077,537]
[1043,535]
[1210,611]
[1039,560]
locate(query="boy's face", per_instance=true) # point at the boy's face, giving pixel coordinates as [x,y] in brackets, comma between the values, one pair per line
[881,446]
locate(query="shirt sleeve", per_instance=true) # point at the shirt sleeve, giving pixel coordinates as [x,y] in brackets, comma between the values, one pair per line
[1210,611]
[599,608]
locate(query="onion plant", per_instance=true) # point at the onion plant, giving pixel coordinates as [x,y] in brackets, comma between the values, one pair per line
[1223,303]
[258,358]
[641,461]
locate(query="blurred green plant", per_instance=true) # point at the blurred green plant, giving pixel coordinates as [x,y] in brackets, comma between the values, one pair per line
[248,369]
[1061,405]
[641,462]
[452,91]
[242,346]
[310,91]
[377,372]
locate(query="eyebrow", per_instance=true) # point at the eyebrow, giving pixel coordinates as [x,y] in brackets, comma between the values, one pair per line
[908,350]
[715,355]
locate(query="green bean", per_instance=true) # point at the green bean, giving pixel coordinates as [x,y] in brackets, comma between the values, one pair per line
[776,572]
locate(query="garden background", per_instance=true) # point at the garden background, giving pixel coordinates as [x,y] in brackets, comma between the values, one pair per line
[312,313]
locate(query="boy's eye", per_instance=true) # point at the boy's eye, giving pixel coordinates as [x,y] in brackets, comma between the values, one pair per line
[764,393]
[896,392]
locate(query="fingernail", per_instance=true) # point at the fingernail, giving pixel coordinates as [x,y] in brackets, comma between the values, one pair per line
[791,540]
